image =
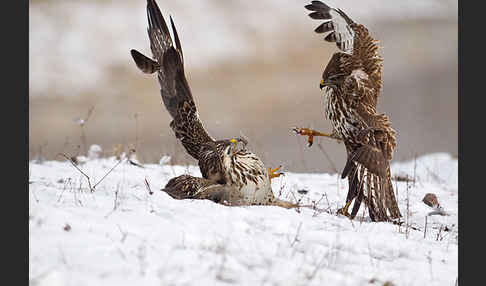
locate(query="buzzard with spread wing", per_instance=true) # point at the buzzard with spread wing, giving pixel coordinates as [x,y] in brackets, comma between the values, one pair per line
[231,174]
[352,84]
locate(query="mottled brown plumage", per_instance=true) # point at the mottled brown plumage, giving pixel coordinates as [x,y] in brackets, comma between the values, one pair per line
[186,186]
[230,173]
[352,84]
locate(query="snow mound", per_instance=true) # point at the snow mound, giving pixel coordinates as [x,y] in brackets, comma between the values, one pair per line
[439,167]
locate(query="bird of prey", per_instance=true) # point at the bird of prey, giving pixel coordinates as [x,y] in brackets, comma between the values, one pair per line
[352,84]
[230,173]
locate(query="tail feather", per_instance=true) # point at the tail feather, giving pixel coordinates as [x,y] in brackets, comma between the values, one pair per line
[357,204]
[358,192]
[376,192]
[390,199]
[353,183]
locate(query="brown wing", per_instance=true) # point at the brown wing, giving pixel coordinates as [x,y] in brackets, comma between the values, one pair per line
[375,150]
[351,38]
[189,187]
[174,89]
[371,157]
[144,63]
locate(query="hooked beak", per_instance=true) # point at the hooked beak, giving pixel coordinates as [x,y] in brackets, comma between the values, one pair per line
[235,142]
[239,139]
[323,83]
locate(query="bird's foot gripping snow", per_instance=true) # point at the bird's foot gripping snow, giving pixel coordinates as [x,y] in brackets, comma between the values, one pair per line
[344,211]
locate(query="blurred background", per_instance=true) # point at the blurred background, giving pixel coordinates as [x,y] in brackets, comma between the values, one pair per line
[253,66]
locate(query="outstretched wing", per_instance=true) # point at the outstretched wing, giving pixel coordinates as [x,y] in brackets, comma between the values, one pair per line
[337,23]
[189,187]
[351,38]
[174,89]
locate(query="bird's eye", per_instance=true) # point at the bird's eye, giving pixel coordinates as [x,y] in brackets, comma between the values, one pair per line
[334,76]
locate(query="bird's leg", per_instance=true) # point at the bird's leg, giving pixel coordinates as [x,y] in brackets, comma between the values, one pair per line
[311,133]
[344,211]
[272,173]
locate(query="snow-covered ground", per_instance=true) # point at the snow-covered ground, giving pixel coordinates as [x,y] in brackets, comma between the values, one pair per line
[123,235]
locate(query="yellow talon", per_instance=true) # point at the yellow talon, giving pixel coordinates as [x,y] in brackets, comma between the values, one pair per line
[272,173]
[344,211]
[311,133]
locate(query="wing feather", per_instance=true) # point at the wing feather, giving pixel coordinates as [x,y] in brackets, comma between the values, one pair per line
[174,88]
[189,187]
[337,22]
[351,38]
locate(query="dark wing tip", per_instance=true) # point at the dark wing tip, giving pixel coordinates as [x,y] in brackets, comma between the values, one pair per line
[324,27]
[176,36]
[331,37]
[320,15]
[317,6]
[155,18]
[144,63]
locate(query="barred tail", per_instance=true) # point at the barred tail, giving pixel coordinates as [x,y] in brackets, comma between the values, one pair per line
[376,192]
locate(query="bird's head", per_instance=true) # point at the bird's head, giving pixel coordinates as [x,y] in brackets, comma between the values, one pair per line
[335,72]
[235,145]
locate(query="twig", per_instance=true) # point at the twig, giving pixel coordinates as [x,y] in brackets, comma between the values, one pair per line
[296,238]
[136,130]
[71,161]
[123,233]
[147,185]
[91,188]
[115,202]
[414,168]
[408,212]
[438,233]
[404,178]
[425,229]
[68,181]
[82,122]
[108,173]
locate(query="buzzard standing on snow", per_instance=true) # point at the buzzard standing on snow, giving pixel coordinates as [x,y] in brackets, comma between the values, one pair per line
[352,84]
[231,174]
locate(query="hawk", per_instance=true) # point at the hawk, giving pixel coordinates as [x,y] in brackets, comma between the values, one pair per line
[230,173]
[352,84]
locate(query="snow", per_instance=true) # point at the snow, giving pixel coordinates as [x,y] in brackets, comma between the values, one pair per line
[120,234]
